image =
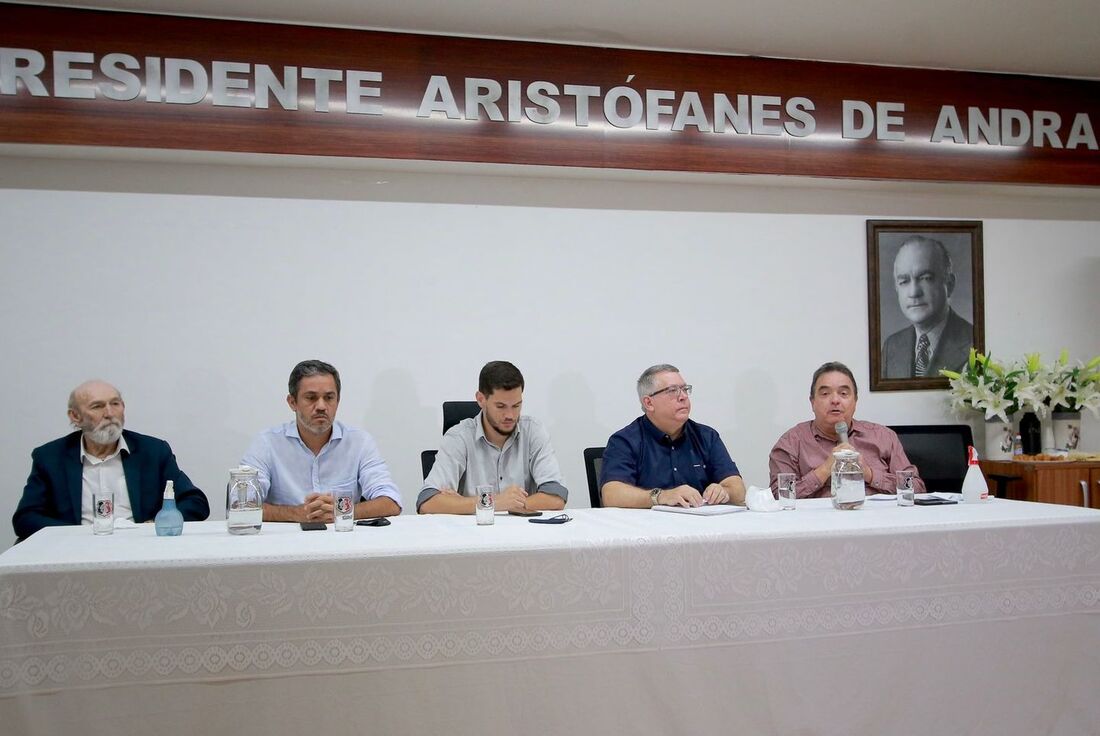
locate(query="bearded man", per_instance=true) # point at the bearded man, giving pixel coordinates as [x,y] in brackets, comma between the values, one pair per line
[102,456]
[302,463]
[501,447]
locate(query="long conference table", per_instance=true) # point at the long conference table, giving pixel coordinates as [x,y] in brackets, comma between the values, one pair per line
[965,619]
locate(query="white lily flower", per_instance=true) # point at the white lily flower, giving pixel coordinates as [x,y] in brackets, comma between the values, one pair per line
[1032,397]
[959,403]
[997,406]
[984,383]
[1060,395]
[1091,401]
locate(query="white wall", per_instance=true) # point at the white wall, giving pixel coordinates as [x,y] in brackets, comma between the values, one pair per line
[197,305]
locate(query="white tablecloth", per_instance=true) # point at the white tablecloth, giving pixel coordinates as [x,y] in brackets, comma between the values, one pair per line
[952,619]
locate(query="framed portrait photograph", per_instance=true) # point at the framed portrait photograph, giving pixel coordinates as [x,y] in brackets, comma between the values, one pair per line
[925,300]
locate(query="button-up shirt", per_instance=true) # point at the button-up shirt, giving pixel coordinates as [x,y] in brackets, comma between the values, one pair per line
[642,455]
[467,459]
[105,474]
[804,447]
[289,471]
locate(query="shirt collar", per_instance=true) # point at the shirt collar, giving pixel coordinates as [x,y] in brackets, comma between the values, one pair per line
[853,429]
[337,431]
[118,450]
[660,436]
[934,333]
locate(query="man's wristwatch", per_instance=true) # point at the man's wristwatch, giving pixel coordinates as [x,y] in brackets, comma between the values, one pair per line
[653,493]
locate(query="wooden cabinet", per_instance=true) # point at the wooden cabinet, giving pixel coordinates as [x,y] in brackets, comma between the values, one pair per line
[1047,482]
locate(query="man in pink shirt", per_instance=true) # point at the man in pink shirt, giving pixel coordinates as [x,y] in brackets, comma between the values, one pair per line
[806,449]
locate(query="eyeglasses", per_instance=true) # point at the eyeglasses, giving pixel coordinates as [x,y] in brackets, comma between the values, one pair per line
[673,391]
[559,519]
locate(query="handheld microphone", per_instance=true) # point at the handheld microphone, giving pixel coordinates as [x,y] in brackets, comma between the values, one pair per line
[842,431]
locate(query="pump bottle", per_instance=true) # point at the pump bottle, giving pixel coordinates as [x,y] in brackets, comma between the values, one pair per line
[169,520]
[974,489]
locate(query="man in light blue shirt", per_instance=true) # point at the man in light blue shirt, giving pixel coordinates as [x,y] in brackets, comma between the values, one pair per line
[302,462]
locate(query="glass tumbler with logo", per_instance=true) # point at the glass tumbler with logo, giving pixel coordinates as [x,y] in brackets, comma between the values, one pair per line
[103,512]
[785,490]
[485,505]
[343,509]
[904,487]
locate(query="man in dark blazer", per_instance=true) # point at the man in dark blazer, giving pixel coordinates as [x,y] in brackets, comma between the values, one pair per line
[938,337]
[64,472]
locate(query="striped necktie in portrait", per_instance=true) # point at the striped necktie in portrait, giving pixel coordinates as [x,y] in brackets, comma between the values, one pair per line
[922,355]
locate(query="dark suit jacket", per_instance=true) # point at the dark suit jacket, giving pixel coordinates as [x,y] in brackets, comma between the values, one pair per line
[952,352]
[52,494]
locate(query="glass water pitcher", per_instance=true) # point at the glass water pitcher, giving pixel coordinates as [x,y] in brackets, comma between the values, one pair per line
[244,504]
[848,491]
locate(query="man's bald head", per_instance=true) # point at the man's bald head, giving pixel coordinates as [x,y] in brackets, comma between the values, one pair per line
[93,387]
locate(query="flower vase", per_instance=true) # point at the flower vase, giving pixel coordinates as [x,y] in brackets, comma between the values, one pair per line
[1067,429]
[998,439]
[1031,434]
[1047,435]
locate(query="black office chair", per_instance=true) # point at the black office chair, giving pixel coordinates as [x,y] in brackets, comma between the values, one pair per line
[453,413]
[427,461]
[938,451]
[593,459]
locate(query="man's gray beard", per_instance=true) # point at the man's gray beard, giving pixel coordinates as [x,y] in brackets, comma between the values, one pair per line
[105,435]
[318,432]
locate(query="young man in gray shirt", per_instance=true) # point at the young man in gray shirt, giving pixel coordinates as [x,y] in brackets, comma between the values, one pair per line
[498,447]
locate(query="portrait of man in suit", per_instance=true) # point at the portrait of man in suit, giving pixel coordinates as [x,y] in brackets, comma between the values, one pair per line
[928,302]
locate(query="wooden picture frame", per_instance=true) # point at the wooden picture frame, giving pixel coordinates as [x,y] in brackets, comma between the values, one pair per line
[923,293]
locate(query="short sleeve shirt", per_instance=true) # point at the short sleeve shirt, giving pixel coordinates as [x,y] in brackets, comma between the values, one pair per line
[642,455]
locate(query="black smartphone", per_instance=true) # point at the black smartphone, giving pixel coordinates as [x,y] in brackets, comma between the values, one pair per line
[525,513]
[559,519]
[313,526]
[933,501]
[380,521]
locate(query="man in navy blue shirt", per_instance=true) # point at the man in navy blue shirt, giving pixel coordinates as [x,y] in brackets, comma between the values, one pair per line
[664,458]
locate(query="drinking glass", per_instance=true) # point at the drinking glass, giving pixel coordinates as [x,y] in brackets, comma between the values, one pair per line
[103,512]
[485,505]
[343,508]
[904,487]
[784,486]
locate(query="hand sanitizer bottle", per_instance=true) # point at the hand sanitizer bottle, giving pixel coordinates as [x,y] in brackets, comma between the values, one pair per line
[975,489]
[169,521]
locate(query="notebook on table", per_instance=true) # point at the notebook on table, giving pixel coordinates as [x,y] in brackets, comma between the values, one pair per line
[701,510]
